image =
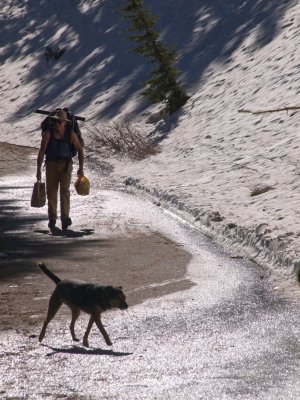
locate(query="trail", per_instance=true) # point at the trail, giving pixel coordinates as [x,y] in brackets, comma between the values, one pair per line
[201,323]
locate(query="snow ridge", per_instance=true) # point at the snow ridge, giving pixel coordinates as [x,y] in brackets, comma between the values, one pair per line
[271,253]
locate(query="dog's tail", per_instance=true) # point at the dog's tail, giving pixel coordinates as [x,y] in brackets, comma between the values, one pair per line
[50,274]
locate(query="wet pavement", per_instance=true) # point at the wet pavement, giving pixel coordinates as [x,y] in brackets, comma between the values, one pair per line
[215,328]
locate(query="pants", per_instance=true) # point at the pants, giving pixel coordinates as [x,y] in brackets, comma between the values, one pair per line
[58,176]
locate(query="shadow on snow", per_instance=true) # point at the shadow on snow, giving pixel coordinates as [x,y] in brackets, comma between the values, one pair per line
[98,55]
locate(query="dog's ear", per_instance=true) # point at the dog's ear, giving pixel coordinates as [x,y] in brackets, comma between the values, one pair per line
[120,287]
[109,290]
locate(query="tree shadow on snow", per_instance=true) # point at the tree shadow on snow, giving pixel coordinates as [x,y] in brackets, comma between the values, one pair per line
[102,58]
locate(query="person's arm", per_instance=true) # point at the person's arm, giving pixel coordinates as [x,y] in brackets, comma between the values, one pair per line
[77,144]
[41,154]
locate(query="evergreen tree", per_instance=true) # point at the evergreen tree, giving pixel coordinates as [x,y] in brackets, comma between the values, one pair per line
[163,85]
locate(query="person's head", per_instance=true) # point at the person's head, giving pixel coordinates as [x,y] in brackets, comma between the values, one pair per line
[61,117]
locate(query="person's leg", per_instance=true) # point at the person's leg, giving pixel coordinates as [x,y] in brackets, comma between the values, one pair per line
[65,181]
[52,181]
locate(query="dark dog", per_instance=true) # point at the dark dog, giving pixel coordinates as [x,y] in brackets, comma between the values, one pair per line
[81,296]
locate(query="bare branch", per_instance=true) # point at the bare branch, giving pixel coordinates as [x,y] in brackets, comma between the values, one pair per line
[120,139]
[269,111]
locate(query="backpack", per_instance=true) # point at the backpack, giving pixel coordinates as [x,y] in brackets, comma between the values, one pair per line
[48,124]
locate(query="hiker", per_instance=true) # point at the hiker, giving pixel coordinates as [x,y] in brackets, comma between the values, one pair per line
[56,144]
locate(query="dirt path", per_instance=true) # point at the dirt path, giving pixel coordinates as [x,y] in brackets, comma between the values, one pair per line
[137,261]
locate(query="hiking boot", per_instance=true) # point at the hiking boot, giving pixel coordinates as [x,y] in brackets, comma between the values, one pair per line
[66,223]
[51,224]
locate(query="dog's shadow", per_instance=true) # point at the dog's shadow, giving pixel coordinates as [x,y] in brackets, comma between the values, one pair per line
[79,350]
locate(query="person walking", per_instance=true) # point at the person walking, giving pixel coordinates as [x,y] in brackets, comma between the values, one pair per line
[56,144]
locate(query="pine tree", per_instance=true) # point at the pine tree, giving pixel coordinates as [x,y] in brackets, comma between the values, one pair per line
[162,85]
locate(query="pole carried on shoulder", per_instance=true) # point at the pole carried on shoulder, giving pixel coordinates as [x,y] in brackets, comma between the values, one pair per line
[44,112]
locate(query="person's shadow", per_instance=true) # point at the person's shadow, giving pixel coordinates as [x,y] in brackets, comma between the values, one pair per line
[67,233]
[85,351]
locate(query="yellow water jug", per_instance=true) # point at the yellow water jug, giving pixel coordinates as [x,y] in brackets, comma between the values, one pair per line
[82,185]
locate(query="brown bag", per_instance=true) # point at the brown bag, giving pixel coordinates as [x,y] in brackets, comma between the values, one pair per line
[38,198]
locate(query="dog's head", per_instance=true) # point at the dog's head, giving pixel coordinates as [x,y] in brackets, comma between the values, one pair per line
[116,298]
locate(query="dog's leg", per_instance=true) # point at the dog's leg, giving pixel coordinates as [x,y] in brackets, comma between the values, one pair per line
[55,303]
[85,341]
[75,315]
[97,319]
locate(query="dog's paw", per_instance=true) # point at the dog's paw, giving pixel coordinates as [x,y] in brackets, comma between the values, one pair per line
[109,343]
[85,343]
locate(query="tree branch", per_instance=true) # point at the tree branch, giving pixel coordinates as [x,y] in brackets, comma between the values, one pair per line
[269,111]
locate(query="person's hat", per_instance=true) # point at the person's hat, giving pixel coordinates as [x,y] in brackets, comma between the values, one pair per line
[60,115]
